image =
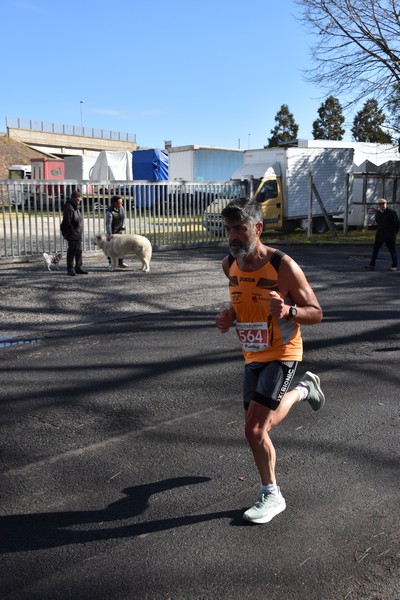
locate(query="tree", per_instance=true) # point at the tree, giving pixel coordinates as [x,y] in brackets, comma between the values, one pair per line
[394,107]
[329,124]
[358,46]
[367,124]
[286,128]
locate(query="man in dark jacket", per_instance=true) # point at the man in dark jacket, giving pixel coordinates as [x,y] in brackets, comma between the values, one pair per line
[388,226]
[72,229]
[115,223]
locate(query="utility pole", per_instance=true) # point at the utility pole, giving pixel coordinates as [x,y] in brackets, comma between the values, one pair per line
[81,102]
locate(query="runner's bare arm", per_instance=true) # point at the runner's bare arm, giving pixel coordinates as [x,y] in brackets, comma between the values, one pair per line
[292,282]
[226,318]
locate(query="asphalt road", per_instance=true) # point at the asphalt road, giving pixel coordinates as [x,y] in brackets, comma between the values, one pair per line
[124,470]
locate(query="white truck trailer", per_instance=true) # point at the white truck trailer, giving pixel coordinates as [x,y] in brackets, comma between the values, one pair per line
[291,183]
[203,163]
[79,166]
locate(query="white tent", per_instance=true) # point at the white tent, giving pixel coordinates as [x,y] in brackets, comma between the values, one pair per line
[112,166]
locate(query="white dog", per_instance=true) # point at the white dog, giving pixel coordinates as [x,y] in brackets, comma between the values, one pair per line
[123,245]
[52,259]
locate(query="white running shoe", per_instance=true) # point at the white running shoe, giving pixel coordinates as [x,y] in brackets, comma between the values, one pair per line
[265,508]
[315,397]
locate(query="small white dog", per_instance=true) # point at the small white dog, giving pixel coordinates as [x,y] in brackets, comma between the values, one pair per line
[52,259]
[123,245]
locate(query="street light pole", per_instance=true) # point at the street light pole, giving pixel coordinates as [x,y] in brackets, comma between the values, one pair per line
[81,102]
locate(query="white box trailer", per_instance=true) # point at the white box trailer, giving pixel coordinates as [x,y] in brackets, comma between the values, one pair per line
[79,166]
[203,163]
[285,180]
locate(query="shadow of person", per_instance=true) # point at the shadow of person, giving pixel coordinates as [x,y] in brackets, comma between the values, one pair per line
[47,530]
[136,498]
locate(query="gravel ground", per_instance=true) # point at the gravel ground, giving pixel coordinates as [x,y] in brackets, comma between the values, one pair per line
[34,301]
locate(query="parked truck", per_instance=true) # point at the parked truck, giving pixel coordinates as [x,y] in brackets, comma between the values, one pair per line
[18,193]
[40,168]
[287,182]
[19,172]
[52,193]
[47,168]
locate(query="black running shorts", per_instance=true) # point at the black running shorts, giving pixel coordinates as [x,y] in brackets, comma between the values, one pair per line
[267,383]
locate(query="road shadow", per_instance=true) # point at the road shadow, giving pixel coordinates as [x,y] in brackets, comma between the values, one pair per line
[36,531]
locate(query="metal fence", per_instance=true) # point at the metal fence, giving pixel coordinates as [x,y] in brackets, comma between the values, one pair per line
[62,128]
[169,214]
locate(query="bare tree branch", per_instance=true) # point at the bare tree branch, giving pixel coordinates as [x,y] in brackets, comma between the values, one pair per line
[357,46]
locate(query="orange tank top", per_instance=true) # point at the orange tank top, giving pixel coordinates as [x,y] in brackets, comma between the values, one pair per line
[264,338]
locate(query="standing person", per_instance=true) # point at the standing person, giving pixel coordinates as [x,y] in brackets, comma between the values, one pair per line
[115,223]
[270,299]
[72,229]
[388,227]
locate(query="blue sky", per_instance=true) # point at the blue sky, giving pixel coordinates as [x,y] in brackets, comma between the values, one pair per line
[213,72]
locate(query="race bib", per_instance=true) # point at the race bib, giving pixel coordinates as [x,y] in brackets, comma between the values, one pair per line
[254,336]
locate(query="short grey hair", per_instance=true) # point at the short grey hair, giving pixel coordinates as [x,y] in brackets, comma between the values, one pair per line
[243,210]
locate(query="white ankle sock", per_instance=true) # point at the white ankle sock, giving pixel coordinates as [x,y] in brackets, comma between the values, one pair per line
[272,488]
[303,391]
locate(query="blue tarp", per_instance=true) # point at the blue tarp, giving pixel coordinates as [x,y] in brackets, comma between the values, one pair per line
[151,165]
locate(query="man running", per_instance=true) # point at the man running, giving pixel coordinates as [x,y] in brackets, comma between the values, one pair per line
[270,299]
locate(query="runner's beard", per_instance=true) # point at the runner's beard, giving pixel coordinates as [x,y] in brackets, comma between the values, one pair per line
[246,249]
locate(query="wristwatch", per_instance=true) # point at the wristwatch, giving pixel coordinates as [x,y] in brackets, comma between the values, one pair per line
[292,312]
